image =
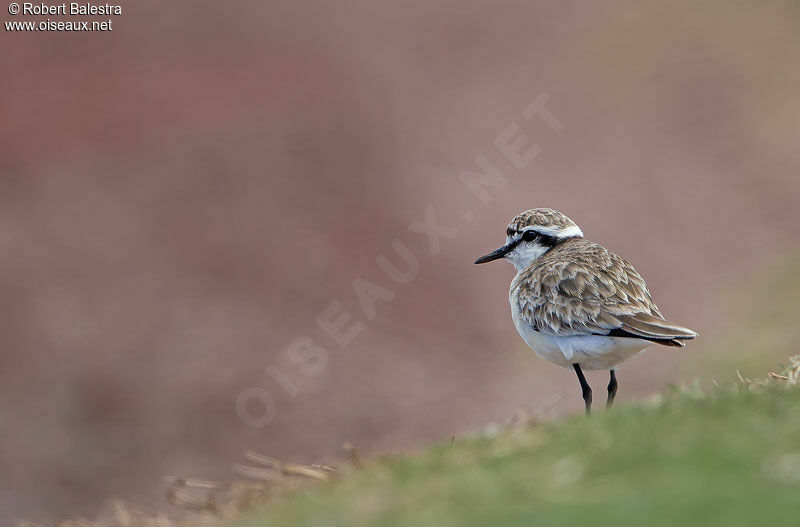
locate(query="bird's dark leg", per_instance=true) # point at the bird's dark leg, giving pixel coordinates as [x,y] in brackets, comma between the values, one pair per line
[586,390]
[612,389]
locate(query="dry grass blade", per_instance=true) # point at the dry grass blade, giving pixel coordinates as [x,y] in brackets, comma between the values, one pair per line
[289,469]
[261,474]
[196,483]
[260,458]
[790,376]
[303,470]
[190,501]
[793,371]
[741,379]
[79,522]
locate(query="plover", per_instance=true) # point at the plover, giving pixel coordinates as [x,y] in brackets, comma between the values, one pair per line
[577,304]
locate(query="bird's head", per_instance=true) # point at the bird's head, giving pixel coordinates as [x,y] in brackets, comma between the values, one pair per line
[531,234]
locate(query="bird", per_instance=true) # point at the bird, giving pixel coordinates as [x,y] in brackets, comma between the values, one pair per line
[577,304]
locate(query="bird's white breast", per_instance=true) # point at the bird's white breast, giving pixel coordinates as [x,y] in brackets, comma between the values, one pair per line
[592,352]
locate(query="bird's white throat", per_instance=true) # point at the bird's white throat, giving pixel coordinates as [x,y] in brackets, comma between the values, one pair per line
[525,254]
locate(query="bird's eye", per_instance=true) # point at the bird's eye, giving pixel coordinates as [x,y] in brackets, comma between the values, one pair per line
[528,236]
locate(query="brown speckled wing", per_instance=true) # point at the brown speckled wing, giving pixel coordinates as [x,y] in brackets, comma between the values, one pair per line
[581,288]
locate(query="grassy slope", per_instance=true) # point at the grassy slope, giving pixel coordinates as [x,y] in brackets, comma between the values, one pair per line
[730,458]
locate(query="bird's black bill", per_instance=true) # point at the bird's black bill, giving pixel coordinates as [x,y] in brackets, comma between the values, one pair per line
[495,255]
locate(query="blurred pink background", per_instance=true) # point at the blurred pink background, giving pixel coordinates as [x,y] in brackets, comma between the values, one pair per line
[180,198]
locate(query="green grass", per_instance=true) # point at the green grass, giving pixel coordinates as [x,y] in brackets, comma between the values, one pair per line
[729,458]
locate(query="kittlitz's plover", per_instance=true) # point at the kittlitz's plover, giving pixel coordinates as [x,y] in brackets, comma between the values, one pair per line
[577,304]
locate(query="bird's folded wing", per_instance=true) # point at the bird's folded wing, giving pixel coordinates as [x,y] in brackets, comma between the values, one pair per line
[648,326]
[598,295]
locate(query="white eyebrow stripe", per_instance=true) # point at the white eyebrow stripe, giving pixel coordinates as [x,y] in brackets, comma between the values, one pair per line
[556,232]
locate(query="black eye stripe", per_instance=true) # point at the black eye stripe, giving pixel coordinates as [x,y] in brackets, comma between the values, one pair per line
[544,240]
[547,241]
